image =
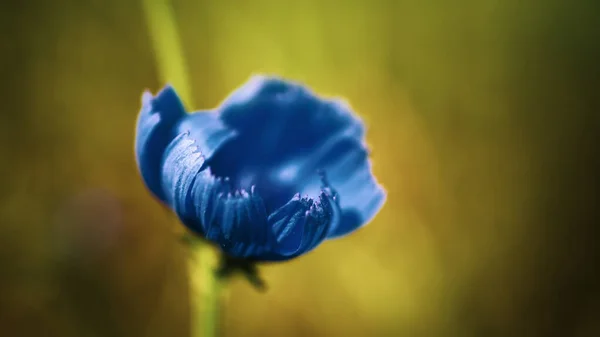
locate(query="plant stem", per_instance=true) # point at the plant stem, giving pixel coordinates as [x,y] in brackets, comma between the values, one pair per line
[166,42]
[206,293]
[170,62]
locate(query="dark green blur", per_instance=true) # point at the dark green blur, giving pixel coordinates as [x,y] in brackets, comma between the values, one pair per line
[483,118]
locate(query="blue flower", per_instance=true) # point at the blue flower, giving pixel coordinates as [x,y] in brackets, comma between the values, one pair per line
[268,175]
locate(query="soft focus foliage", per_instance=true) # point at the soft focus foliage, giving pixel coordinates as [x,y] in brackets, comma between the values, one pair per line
[267,175]
[483,121]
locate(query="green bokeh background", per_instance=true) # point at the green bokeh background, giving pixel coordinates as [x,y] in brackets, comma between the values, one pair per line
[482,119]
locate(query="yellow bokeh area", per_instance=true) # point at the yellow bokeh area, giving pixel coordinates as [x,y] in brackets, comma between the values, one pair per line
[481,116]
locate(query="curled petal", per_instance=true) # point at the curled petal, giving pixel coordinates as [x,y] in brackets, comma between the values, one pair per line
[302,223]
[360,195]
[207,130]
[240,226]
[181,167]
[360,207]
[154,132]
[236,220]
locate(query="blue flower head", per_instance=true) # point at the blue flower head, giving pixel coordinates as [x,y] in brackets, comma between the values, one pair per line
[267,176]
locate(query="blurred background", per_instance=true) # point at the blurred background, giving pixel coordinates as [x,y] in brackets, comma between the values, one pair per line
[483,118]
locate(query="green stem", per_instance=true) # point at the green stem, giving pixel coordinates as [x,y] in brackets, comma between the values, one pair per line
[211,313]
[206,293]
[167,47]
[172,69]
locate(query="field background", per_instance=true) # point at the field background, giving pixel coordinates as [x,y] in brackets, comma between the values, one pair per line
[482,118]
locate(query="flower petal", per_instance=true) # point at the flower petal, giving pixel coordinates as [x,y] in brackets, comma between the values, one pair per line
[360,195]
[279,123]
[242,223]
[182,165]
[269,103]
[302,223]
[162,118]
[207,129]
[207,204]
[154,131]
[346,163]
